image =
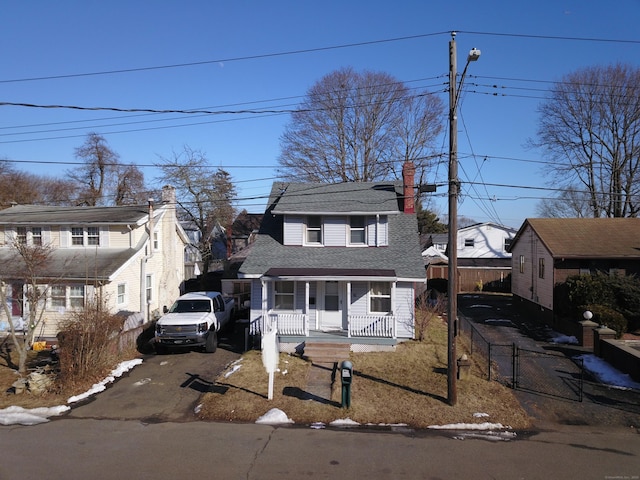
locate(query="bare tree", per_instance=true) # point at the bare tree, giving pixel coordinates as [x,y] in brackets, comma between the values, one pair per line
[590,128]
[98,176]
[204,194]
[571,203]
[130,189]
[359,127]
[27,188]
[28,264]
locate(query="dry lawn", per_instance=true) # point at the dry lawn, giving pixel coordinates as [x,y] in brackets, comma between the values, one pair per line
[408,386]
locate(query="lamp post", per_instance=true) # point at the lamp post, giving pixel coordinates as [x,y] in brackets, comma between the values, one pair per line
[454,187]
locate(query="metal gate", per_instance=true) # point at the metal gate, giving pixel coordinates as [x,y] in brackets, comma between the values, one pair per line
[549,373]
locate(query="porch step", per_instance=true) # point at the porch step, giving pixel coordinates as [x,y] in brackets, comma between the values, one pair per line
[326,352]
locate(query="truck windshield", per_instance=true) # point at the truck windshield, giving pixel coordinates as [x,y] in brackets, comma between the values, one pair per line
[182,306]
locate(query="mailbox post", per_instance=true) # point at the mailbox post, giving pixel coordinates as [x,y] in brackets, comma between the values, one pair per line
[346,376]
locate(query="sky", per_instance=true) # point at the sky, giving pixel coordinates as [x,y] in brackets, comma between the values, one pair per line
[228,57]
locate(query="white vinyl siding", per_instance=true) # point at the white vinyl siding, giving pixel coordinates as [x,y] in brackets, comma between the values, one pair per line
[334,231]
[378,231]
[293,230]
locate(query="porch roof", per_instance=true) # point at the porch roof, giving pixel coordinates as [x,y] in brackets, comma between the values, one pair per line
[333,273]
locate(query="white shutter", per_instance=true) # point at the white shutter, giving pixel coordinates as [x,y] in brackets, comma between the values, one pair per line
[104,236]
[65,237]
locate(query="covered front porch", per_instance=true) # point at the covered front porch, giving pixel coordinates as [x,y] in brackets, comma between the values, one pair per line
[341,303]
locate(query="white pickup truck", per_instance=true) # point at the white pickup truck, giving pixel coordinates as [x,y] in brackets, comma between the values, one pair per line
[194,320]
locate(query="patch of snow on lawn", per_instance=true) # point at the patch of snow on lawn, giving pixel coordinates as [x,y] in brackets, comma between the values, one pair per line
[606,374]
[344,422]
[274,416]
[21,416]
[563,339]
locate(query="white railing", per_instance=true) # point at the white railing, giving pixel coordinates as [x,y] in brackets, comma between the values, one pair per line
[290,323]
[383,326]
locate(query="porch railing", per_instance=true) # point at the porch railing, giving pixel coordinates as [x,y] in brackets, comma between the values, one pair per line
[383,326]
[290,323]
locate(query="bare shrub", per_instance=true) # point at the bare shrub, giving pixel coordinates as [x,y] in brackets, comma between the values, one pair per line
[88,345]
[429,306]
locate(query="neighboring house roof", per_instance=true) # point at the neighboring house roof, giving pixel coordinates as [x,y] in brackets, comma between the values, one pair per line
[475,226]
[586,237]
[53,215]
[432,256]
[79,263]
[402,255]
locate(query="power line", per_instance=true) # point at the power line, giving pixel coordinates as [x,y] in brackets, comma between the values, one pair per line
[224,60]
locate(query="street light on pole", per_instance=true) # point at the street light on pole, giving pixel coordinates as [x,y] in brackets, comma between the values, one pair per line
[454,187]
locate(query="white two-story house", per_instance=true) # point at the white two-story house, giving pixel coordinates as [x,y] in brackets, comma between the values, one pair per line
[337,259]
[131,257]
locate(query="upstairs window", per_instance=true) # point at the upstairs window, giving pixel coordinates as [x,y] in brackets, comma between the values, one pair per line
[314,229]
[81,236]
[21,235]
[469,242]
[29,235]
[507,244]
[357,231]
[36,236]
[541,267]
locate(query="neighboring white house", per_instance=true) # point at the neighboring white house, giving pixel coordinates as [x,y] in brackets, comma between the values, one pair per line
[133,257]
[483,256]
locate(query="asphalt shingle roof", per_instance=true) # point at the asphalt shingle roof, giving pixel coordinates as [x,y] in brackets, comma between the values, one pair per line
[53,215]
[403,254]
[588,237]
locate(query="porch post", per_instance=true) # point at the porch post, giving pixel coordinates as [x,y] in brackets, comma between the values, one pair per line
[306,308]
[348,309]
[263,282]
[393,309]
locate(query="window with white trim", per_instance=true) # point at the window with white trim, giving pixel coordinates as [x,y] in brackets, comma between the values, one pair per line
[76,296]
[81,236]
[66,296]
[156,241]
[507,244]
[469,242]
[58,296]
[21,235]
[357,230]
[149,288]
[122,294]
[283,295]
[380,297]
[29,235]
[314,229]
[521,263]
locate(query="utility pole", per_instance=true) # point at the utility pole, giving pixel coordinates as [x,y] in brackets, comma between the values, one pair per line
[454,191]
[452,265]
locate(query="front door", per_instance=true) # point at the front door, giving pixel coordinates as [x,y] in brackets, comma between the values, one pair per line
[332,314]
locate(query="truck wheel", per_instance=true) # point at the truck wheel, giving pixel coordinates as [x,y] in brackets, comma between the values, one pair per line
[212,342]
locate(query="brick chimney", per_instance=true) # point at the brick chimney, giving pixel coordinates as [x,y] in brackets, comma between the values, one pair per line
[408,174]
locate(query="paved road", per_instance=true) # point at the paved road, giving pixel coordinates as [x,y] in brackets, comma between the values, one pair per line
[71,449]
[164,388]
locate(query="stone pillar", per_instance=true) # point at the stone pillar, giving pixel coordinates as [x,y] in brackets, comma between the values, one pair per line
[586,333]
[464,367]
[601,333]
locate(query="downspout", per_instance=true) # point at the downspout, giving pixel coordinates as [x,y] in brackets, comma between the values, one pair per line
[144,305]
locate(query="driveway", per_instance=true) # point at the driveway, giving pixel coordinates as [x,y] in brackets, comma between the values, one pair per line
[164,388]
[497,321]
